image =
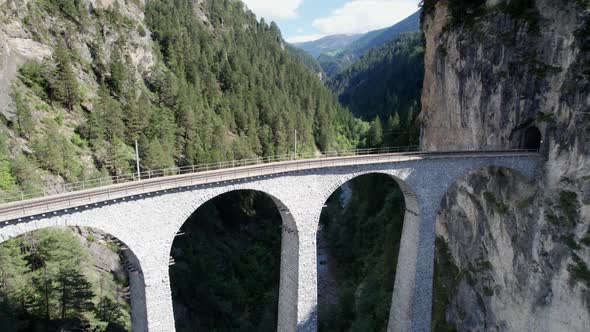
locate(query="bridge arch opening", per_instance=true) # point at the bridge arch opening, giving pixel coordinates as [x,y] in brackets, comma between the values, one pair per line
[234,265]
[359,240]
[485,223]
[532,139]
[71,278]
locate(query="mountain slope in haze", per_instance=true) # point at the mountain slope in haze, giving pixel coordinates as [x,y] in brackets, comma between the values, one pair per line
[333,64]
[328,44]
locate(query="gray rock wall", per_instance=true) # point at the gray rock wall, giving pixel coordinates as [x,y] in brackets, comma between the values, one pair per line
[485,84]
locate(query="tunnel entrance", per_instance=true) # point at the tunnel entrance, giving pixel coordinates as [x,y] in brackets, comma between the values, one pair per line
[532,139]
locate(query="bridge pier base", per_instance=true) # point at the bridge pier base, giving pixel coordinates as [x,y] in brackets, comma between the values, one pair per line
[307,315]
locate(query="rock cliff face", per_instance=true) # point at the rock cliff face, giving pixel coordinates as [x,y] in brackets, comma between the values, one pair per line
[512,255]
[24,36]
[29,31]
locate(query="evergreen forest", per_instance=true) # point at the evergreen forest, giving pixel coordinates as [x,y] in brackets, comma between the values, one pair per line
[49,281]
[386,84]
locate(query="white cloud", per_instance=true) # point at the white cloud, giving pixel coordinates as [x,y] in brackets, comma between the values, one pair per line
[304,38]
[358,16]
[274,9]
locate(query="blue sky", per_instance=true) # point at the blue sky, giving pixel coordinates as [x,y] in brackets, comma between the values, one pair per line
[304,20]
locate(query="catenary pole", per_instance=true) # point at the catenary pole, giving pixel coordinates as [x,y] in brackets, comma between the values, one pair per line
[137,161]
[295,155]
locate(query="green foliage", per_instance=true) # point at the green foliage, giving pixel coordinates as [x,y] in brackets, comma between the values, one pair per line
[7,178]
[465,11]
[229,259]
[156,157]
[229,88]
[523,10]
[428,7]
[363,238]
[500,206]
[57,154]
[386,82]
[447,277]
[64,87]
[109,310]
[25,171]
[376,133]
[237,79]
[118,74]
[75,293]
[35,77]
[308,60]
[568,202]
[543,117]
[46,279]
[579,270]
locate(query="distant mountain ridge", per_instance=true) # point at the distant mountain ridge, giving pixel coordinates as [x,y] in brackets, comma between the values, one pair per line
[333,60]
[328,44]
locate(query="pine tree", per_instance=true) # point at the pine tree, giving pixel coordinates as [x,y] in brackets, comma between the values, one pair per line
[107,310]
[118,73]
[376,133]
[75,293]
[65,84]
[48,150]
[156,157]
[24,117]
[7,178]
[393,126]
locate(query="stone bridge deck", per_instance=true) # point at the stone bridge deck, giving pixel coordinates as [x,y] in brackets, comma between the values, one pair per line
[146,215]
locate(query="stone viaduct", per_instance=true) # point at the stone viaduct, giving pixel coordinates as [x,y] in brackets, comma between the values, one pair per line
[146,215]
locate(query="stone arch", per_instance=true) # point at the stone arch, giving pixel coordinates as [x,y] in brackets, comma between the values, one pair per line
[289,260]
[394,175]
[139,321]
[400,313]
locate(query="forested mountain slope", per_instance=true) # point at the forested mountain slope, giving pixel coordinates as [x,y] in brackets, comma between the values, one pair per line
[192,81]
[332,64]
[386,81]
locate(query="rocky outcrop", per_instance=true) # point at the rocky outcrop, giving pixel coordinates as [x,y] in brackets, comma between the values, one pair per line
[16,48]
[29,32]
[519,251]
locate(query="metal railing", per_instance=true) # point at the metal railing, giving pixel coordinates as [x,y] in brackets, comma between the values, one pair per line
[151,174]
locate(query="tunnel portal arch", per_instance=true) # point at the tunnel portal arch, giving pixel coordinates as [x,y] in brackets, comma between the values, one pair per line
[532,139]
